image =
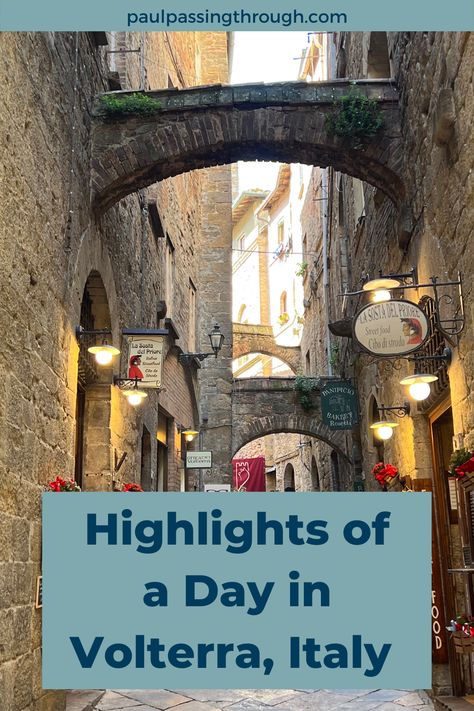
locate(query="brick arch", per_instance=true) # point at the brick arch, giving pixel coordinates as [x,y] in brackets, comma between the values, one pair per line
[249,338]
[291,423]
[215,125]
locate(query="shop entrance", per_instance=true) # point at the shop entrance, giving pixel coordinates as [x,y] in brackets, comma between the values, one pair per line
[445,591]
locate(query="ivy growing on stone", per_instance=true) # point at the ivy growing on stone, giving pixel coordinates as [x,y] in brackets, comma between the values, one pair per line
[131,104]
[354,118]
[305,385]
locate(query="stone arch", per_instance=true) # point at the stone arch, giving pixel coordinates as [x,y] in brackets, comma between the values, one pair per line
[93,397]
[92,256]
[248,338]
[216,125]
[277,423]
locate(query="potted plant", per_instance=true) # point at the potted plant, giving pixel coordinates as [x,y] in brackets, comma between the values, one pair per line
[60,484]
[283,318]
[131,486]
[462,629]
[461,465]
[385,474]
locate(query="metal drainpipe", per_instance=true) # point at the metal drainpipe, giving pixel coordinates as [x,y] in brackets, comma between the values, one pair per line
[325,225]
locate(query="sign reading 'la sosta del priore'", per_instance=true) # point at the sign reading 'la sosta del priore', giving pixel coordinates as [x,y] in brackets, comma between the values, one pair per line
[391,328]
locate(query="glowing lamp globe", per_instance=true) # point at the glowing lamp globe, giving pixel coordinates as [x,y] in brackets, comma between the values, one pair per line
[383,429]
[419,385]
[380,288]
[381,295]
[135,396]
[103,353]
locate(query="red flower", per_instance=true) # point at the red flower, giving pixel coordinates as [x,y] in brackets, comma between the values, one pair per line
[465,468]
[383,471]
[60,484]
[131,487]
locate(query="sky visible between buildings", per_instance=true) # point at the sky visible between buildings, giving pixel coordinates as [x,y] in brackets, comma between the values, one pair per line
[264,57]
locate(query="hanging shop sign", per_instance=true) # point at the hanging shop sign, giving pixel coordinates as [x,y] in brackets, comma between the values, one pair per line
[198,460]
[391,328]
[145,359]
[339,407]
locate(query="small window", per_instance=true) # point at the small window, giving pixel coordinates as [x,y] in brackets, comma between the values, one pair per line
[359,200]
[169,277]
[283,303]
[155,221]
[281,232]
[192,317]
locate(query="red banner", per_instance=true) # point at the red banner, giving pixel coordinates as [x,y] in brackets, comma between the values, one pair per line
[249,474]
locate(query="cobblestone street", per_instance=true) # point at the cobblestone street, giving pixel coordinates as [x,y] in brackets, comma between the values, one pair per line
[250,700]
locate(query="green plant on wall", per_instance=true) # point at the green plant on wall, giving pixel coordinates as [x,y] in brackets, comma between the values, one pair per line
[304,386]
[355,117]
[301,269]
[115,105]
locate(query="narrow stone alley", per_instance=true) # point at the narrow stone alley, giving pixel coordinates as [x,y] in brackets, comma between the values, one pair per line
[250,700]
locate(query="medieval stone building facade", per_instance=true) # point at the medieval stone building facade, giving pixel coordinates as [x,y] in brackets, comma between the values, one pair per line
[430,231]
[64,266]
[160,256]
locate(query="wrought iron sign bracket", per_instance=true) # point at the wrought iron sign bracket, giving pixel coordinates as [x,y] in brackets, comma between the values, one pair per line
[397,410]
[450,326]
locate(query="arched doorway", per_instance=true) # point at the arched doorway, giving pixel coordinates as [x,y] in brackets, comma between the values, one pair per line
[93,400]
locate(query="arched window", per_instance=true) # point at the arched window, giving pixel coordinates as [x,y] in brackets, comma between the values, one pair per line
[289,478]
[315,484]
[240,315]
[378,60]
[283,303]
[336,481]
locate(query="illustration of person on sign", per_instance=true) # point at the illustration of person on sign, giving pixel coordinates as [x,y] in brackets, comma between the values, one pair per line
[134,371]
[412,330]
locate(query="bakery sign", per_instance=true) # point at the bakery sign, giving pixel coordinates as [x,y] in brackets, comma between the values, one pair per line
[391,328]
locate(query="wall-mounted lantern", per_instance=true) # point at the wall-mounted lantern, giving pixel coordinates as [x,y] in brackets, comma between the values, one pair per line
[383,429]
[104,352]
[189,433]
[131,391]
[419,385]
[216,339]
[380,289]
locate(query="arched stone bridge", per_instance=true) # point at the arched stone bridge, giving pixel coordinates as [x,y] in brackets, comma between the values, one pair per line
[215,125]
[263,406]
[250,338]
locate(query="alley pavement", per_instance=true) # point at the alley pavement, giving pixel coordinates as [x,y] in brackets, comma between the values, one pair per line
[249,700]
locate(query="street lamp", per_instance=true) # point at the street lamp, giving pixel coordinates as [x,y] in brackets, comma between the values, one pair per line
[134,395]
[104,352]
[419,385]
[383,429]
[380,288]
[216,339]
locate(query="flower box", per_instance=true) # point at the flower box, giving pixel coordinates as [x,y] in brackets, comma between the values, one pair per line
[463,643]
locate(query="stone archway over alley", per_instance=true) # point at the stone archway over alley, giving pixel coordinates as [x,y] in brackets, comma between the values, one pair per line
[215,125]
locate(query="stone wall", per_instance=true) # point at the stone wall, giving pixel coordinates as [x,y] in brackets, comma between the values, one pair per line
[433,72]
[50,243]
